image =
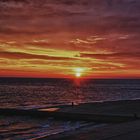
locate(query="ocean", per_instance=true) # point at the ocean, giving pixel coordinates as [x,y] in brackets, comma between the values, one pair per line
[28,93]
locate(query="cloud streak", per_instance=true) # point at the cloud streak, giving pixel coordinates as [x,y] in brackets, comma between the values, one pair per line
[111,56]
[20,55]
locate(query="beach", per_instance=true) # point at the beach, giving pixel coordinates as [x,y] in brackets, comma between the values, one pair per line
[42,108]
[112,119]
[109,131]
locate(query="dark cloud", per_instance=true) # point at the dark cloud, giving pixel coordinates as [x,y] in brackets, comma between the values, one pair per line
[71,15]
[112,56]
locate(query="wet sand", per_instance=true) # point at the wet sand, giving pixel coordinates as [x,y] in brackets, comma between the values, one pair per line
[122,131]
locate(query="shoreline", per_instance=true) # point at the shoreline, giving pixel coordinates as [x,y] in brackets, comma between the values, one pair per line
[67,133]
[109,112]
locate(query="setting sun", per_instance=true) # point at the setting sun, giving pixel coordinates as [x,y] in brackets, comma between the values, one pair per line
[78,72]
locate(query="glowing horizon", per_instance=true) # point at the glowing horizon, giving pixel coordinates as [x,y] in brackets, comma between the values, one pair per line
[67,39]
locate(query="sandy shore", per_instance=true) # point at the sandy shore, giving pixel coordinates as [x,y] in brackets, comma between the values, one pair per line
[113,131]
[125,107]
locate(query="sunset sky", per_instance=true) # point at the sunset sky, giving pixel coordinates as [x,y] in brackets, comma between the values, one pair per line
[67,38]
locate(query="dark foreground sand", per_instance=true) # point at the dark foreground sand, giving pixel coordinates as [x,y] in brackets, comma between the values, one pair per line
[112,131]
[126,107]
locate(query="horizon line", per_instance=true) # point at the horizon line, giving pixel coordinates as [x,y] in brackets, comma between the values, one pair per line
[10,77]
